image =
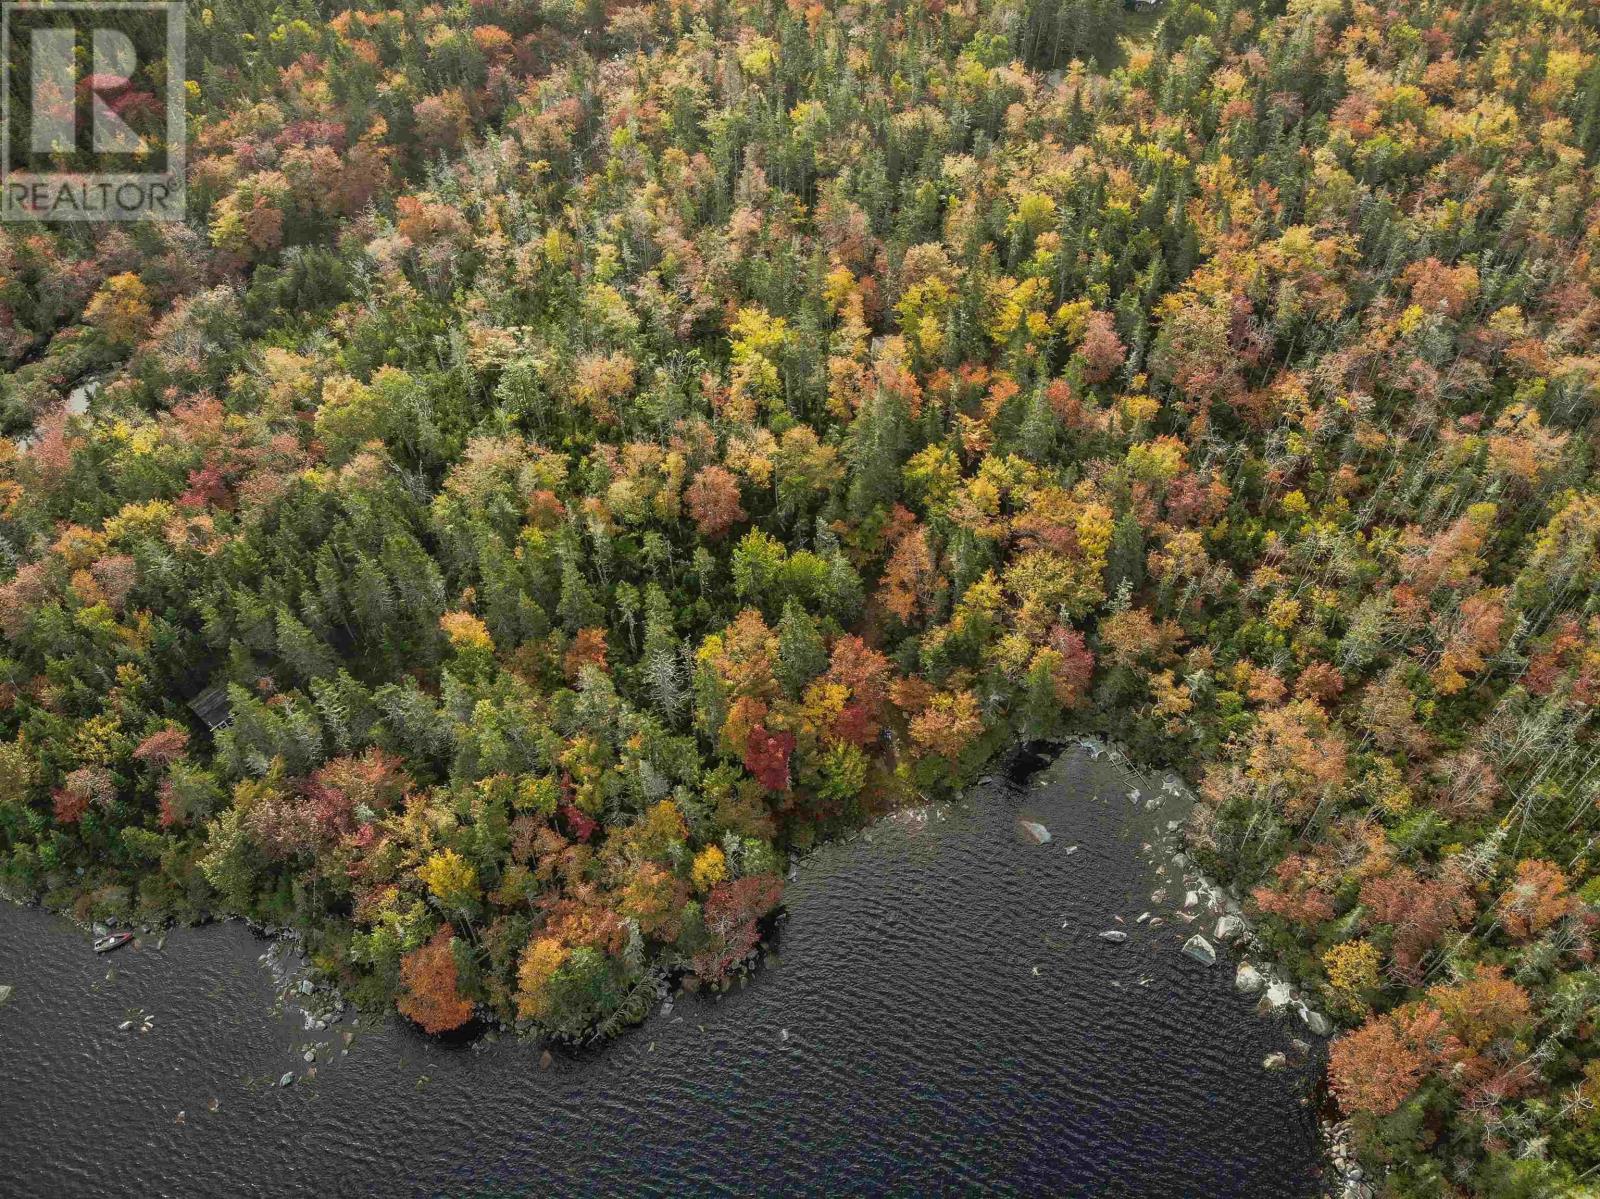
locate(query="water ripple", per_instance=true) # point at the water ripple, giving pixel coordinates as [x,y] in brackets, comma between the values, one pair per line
[924,1054]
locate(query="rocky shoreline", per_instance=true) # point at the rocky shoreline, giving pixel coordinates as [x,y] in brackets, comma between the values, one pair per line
[1219,913]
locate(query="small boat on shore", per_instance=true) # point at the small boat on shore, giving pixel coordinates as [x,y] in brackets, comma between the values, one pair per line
[114,941]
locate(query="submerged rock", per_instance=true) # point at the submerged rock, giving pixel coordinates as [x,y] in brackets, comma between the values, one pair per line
[1034,829]
[5,993]
[1200,950]
[1248,980]
[1274,1061]
[1115,935]
[287,1080]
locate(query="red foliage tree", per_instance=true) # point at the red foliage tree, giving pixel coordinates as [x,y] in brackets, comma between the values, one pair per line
[766,756]
[1421,911]
[588,649]
[162,748]
[714,501]
[429,984]
[1376,1067]
[1536,900]
[1102,350]
[732,912]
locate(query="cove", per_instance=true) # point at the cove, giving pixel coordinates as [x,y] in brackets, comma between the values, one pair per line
[940,1015]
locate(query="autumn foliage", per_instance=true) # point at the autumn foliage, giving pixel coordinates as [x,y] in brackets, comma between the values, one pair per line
[429,985]
[568,464]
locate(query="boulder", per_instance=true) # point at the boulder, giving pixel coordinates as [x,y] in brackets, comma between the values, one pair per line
[1115,935]
[1190,898]
[1229,928]
[1200,950]
[1248,980]
[1278,996]
[1034,829]
[287,1080]
[1316,1021]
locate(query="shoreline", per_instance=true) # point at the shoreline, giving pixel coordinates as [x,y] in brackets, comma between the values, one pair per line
[1161,817]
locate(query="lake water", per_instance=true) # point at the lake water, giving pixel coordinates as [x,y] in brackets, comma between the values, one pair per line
[942,1017]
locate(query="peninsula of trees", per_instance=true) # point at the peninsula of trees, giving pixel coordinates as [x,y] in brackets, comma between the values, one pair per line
[599,450]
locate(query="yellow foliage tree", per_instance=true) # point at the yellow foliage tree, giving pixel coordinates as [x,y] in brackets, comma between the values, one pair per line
[709,869]
[450,878]
[541,962]
[1352,972]
[121,308]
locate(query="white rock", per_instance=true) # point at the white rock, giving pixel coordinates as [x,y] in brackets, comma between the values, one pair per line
[1115,935]
[1190,898]
[1278,996]
[1274,1061]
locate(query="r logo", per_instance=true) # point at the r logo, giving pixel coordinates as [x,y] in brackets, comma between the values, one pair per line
[96,130]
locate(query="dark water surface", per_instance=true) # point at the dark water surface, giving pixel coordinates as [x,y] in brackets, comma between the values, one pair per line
[903,1043]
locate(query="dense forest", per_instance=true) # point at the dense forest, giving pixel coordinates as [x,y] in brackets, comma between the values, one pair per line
[601,450]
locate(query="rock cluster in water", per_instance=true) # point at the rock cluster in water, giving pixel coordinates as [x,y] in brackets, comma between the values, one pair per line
[1232,928]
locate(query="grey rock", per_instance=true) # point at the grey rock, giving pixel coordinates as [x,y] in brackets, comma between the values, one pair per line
[1200,950]
[1316,1021]
[1229,928]
[287,1080]
[1115,935]
[1248,980]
